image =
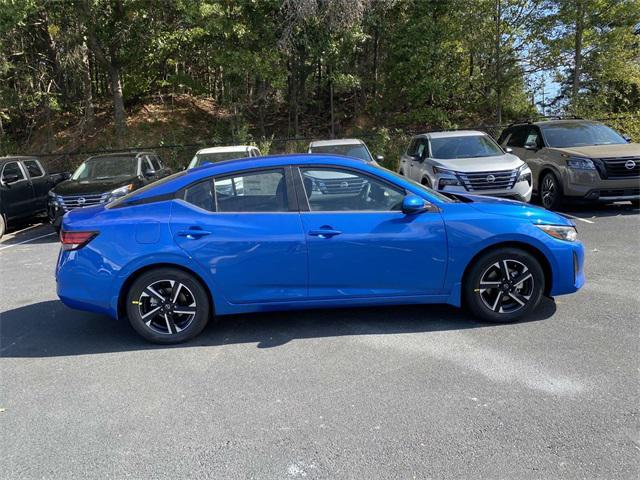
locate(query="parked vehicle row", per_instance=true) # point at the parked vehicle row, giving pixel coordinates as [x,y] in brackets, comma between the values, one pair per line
[556,160]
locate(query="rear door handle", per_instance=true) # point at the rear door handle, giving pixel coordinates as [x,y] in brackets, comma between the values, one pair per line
[324,233]
[193,234]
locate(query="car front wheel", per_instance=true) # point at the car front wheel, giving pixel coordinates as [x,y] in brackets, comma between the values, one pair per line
[550,192]
[504,285]
[167,305]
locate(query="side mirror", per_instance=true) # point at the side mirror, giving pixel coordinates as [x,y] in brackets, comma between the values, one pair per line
[626,137]
[65,175]
[10,178]
[149,172]
[379,158]
[412,205]
[508,149]
[531,146]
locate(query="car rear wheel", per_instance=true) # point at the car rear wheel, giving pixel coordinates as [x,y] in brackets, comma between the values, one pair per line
[550,192]
[504,285]
[167,305]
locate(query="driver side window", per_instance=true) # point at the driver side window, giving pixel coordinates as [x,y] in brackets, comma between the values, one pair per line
[330,190]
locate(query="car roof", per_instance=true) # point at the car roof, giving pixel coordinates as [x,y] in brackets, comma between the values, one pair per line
[13,158]
[452,133]
[336,141]
[122,154]
[548,123]
[229,148]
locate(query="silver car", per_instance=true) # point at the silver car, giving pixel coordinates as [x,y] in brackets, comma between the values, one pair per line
[466,161]
[349,147]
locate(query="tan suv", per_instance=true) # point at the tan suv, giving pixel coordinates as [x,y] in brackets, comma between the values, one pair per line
[576,159]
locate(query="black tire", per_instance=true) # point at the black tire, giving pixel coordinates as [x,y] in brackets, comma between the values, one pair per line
[3,225]
[551,196]
[426,182]
[635,203]
[484,282]
[167,325]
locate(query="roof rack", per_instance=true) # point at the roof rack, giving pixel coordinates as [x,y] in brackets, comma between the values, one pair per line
[545,117]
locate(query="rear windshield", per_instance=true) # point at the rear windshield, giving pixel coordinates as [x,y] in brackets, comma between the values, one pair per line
[580,135]
[103,168]
[202,158]
[352,150]
[464,147]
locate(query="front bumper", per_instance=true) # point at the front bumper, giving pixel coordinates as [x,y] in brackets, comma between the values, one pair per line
[587,185]
[521,191]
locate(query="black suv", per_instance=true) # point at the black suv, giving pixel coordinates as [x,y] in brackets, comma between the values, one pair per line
[104,178]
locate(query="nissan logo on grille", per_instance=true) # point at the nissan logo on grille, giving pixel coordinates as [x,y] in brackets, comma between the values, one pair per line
[491,178]
[630,165]
[81,201]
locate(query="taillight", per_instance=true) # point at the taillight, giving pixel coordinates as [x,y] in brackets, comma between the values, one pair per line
[76,240]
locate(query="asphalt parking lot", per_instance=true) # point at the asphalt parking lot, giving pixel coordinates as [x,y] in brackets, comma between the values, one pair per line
[411,392]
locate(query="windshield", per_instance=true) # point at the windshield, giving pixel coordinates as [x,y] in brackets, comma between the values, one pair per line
[355,150]
[214,157]
[438,195]
[580,135]
[102,168]
[464,147]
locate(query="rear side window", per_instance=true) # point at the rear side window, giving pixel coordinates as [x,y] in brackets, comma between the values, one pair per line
[263,191]
[201,195]
[34,168]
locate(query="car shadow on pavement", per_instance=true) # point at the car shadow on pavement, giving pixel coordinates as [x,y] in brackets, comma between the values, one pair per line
[49,329]
[596,210]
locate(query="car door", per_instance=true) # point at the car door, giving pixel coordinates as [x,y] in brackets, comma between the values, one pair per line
[40,182]
[18,195]
[250,239]
[360,243]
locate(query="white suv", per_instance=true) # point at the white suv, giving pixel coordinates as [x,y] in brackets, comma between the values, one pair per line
[218,154]
[349,147]
[466,161]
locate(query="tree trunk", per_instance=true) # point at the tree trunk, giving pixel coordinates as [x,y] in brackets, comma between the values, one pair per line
[87,85]
[577,53]
[333,130]
[498,62]
[118,100]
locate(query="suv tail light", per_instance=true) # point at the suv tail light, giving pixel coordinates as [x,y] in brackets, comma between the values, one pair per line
[76,240]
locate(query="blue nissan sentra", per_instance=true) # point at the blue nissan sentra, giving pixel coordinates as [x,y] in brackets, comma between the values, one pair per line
[307,231]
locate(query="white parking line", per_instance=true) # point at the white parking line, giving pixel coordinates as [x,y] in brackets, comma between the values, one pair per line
[27,241]
[577,218]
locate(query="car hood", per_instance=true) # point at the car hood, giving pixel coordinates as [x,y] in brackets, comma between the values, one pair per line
[512,208]
[76,187]
[480,164]
[603,151]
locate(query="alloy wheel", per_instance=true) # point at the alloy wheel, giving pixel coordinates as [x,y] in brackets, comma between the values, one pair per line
[549,191]
[506,286]
[167,306]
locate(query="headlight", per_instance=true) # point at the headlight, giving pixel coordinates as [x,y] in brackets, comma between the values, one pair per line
[53,198]
[443,171]
[580,163]
[524,174]
[561,232]
[121,192]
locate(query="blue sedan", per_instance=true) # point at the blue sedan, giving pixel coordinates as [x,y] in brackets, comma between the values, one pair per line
[307,231]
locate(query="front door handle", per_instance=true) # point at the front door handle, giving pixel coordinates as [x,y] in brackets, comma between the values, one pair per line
[193,233]
[324,233]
